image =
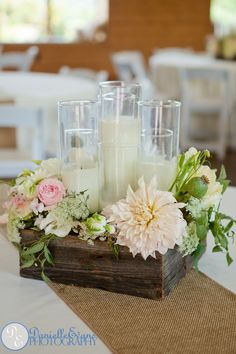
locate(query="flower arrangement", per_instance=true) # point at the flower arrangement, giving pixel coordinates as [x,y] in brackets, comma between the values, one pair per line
[146,221]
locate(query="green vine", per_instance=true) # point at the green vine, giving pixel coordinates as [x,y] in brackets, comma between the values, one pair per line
[37,254]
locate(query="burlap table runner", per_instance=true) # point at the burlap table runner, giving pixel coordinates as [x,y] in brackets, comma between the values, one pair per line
[199,316]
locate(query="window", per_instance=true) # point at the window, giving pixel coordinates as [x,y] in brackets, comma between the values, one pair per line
[223,16]
[25,21]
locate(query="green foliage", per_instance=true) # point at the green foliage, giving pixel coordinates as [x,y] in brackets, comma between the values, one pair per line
[223,179]
[115,248]
[37,162]
[221,228]
[37,254]
[185,187]
[186,170]
[198,253]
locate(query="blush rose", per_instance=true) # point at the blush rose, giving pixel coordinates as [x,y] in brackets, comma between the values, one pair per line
[51,191]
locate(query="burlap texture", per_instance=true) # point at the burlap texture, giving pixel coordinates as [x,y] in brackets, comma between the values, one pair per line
[199,316]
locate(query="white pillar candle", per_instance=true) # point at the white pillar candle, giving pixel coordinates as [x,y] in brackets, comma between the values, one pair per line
[164,170]
[80,174]
[124,131]
[119,146]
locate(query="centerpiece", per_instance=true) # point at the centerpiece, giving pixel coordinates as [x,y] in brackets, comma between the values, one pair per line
[121,209]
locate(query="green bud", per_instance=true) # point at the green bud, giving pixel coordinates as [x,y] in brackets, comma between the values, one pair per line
[197,187]
[110,228]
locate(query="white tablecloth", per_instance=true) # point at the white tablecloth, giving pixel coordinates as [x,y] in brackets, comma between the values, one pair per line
[44,91]
[34,304]
[164,71]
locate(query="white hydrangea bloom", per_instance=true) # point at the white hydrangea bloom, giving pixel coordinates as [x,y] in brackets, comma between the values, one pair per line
[190,240]
[13,227]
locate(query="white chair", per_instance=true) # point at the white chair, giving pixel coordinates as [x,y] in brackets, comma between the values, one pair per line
[13,161]
[129,66]
[97,76]
[172,50]
[205,97]
[21,61]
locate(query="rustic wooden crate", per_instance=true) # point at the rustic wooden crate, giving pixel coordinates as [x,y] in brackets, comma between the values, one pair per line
[78,263]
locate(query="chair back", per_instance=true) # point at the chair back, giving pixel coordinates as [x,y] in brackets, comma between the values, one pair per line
[21,61]
[205,96]
[204,82]
[129,65]
[31,120]
[85,73]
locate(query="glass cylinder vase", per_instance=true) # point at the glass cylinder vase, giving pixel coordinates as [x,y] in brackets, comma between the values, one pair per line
[119,130]
[158,114]
[156,159]
[79,148]
[120,86]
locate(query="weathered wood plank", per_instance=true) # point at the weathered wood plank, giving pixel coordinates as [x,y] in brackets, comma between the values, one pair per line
[78,263]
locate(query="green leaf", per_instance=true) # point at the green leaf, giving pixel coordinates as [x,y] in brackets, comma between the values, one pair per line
[229,259]
[37,162]
[33,249]
[229,226]
[197,254]
[225,183]
[201,231]
[222,173]
[181,160]
[217,248]
[10,183]
[222,179]
[224,242]
[45,278]
[28,263]
[26,172]
[48,255]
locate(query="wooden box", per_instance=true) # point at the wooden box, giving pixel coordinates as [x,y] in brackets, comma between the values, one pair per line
[78,263]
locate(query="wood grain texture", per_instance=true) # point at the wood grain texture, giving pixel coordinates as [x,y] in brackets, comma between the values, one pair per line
[134,24]
[78,263]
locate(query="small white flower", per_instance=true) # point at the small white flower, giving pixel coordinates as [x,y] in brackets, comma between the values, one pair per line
[191,152]
[51,225]
[214,190]
[37,206]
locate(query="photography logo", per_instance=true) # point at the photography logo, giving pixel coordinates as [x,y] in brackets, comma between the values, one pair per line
[14,336]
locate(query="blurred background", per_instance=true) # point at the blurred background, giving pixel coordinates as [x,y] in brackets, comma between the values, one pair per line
[61,49]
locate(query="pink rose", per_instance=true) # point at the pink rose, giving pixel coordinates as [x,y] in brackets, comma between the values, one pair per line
[51,191]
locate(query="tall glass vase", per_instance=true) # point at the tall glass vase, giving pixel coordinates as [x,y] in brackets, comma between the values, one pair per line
[79,148]
[119,130]
[160,141]
[120,86]
[158,114]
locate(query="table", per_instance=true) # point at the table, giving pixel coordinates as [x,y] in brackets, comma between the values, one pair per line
[164,71]
[33,303]
[44,90]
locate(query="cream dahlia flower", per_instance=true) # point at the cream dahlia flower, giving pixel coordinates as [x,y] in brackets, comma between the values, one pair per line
[148,220]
